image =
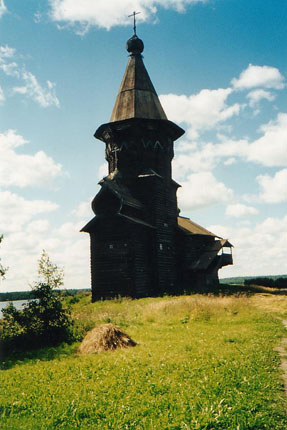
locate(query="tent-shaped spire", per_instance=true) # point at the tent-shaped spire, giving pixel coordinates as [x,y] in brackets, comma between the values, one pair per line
[137,97]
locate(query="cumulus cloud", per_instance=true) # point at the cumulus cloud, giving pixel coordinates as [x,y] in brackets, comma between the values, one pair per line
[26,237]
[6,52]
[270,148]
[83,210]
[202,190]
[32,89]
[256,96]
[269,236]
[3,8]
[230,161]
[45,95]
[200,111]
[240,210]
[274,188]
[2,97]
[204,156]
[16,211]
[209,108]
[107,14]
[10,69]
[23,170]
[259,76]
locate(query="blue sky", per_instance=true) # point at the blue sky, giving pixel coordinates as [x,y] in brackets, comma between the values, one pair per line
[219,67]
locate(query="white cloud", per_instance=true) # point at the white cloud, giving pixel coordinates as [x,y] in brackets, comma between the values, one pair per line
[205,156]
[240,210]
[16,211]
[106,14]
[38,226]
[274,189]
[2,97]
[83,210]
[259,249]
[10,69]
[37,17]
[3,8]
[22,169]
[6,52]
[229,161]
[259,76]
[32,89]
[200,111]
[45,96]
[202,190]
[270,149]
[24,242]
[256,96]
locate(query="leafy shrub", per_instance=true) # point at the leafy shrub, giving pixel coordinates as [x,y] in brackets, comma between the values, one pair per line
[44,320]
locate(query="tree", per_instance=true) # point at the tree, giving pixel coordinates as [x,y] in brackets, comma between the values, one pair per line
[49,273]
[3,270]
[43,321]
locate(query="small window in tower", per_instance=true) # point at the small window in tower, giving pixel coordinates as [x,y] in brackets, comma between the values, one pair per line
[161,246]
[111,246]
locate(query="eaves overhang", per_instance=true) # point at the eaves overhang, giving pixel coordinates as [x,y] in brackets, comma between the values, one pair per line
[108,130]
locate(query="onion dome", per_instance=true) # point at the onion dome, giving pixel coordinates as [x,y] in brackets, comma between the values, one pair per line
[135,45]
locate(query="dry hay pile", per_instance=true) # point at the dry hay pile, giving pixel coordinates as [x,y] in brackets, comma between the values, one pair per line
[106,337]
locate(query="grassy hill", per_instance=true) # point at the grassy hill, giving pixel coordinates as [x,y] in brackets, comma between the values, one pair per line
[201,363]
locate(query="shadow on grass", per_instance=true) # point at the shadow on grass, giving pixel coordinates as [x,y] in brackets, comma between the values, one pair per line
[11,359]
[249,290]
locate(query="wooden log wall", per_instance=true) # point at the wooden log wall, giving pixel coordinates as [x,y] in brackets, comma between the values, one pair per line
[112,261]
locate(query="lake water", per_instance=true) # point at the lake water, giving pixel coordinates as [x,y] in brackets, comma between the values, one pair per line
[17,303]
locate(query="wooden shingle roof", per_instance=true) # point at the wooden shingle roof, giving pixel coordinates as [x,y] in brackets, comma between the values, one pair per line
[192,228]
[137,97]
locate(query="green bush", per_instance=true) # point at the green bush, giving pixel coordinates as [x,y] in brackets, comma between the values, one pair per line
[44,320]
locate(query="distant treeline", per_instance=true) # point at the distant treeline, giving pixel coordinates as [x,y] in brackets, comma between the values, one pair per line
[239,280]
[28,295]
[267,282]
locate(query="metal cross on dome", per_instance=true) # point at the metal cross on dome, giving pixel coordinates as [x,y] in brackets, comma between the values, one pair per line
[134,15]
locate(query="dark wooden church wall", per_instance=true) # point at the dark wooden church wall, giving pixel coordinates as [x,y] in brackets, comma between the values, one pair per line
[112,261]
[164,238]
[143,262]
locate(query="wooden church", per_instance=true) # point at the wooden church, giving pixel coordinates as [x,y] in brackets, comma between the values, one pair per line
[140,246]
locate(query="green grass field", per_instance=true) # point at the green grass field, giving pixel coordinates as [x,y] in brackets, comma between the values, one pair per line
[201,362]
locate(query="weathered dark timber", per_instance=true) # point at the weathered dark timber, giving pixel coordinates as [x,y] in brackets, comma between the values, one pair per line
[139,245]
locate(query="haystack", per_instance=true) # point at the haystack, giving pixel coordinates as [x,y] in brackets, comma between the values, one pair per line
[106,337]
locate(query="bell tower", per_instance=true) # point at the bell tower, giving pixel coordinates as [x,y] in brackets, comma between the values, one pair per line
[133,232]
